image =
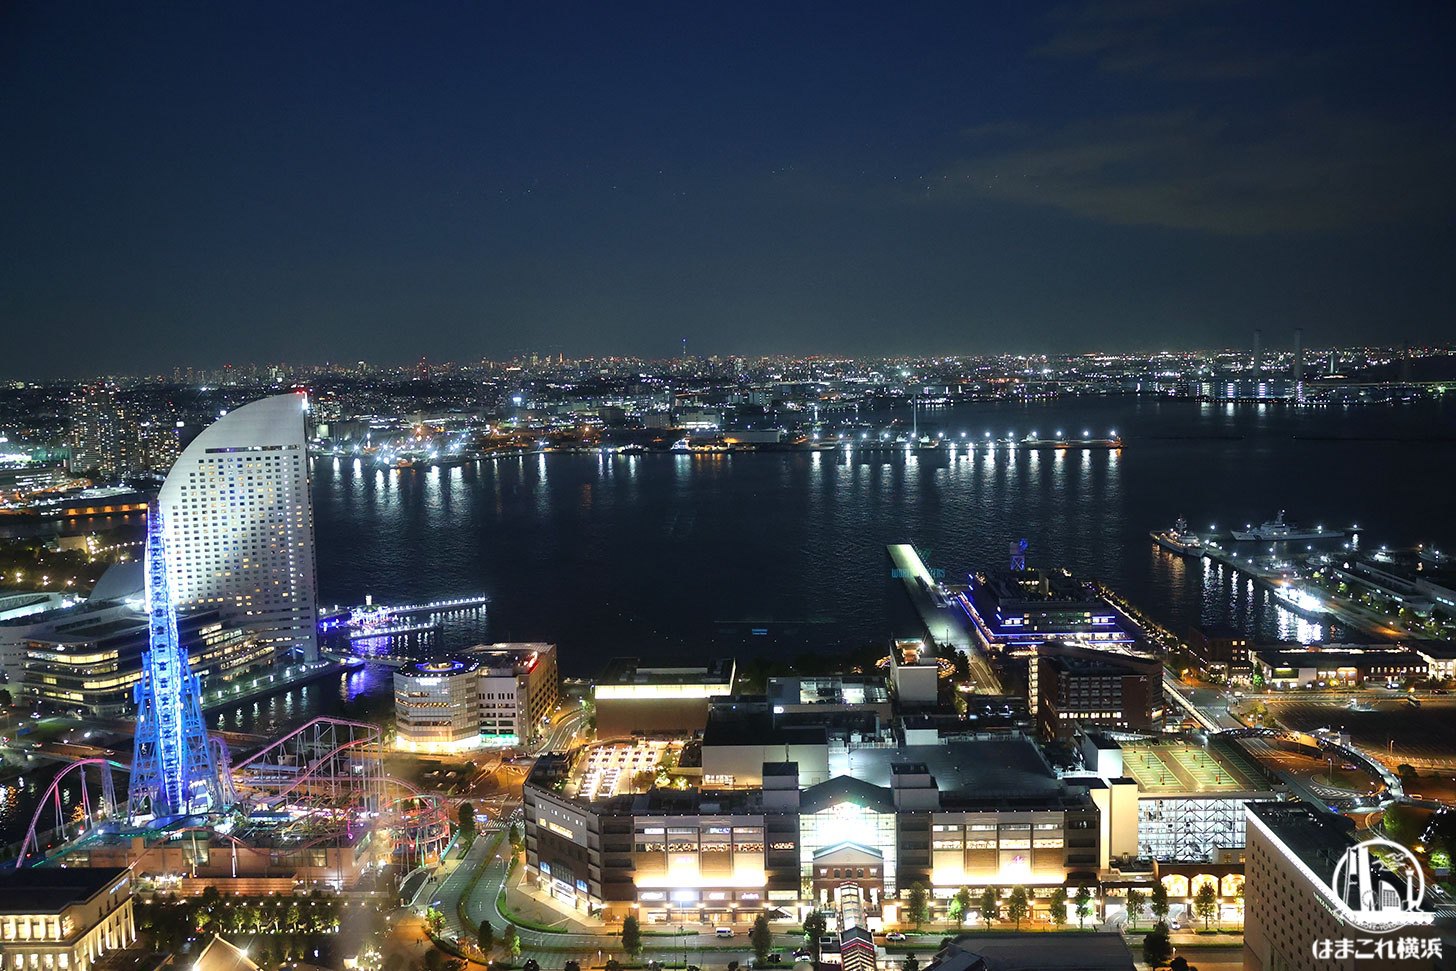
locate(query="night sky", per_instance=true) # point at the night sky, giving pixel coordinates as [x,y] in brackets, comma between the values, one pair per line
[196,184]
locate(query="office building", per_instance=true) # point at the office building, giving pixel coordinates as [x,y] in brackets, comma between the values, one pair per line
[518,690]
[1072,686]
[61,919]
[494,694]
[92,659]
[437,706]
[20,483]
[1222,652]
[239,518]
[1295,854]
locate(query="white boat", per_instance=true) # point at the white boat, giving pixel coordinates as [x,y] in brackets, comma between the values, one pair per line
[1277,530]
[1178,539]
[1302,603]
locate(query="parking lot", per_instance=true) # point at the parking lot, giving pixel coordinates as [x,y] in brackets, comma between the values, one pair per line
[1391,729]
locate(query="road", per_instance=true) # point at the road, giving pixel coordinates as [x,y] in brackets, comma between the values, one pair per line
[563,731]
[553,949]
[1207,706]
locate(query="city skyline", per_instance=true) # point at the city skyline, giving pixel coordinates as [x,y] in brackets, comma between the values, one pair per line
[849,487]
[268,183]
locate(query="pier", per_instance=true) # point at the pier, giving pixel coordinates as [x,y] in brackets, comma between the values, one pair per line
[1320,607]
[943,624]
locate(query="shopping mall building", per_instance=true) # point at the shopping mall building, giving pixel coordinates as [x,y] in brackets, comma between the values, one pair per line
[604,833]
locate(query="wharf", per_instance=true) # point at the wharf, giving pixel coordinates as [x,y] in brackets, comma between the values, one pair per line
[943,624]
[1272,580]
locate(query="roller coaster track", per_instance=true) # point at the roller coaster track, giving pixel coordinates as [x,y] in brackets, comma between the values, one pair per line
[51,798]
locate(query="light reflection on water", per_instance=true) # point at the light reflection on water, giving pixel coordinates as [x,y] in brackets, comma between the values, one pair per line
[658,554]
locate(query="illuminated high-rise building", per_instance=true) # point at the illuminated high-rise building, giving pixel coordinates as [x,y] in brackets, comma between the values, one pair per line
[100,435]
[239,520]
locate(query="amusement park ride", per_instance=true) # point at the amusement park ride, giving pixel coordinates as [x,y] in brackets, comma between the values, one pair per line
[315,806]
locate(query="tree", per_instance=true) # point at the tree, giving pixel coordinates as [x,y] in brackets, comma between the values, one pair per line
[1083,901]
[1059,906]
[815,926]
[466,815]
[1205,904]
[1156,948]
[990,905]
[761,937]
[917,902]
[631,934]
[1135,901]
[1159,901]
[515,946]
[911,964]
[433,959]
[1397,825]
[1017,906]
[486,937]
[571,966]
[510,940]
[960,904]
[1180,963]
[518,837]
[613,965]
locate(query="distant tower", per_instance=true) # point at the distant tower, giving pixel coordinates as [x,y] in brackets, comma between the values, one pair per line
[1298,364]
[685,348]
[1405,363]
[1018,554]
[173,772]
[1258,350]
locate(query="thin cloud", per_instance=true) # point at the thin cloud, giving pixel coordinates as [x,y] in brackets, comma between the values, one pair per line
[1167,40]
[1306,170]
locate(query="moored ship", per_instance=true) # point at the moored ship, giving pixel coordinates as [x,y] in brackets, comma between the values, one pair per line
[1178,539]
[1277,530]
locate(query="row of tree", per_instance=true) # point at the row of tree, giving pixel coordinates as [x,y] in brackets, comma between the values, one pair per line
[1015,908]
[760,936]
[171,920]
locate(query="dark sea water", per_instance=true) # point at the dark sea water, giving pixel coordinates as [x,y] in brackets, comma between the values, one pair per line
[683,558]
[677,556]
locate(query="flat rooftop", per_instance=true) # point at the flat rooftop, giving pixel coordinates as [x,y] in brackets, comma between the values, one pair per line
[630,671]
[1295,657]
[1035,952]
[1175,767]
[995,767]
[856,689]
[50,890]
[1318,839]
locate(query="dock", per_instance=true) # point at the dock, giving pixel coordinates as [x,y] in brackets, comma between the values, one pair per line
[943,624]
[1324,608]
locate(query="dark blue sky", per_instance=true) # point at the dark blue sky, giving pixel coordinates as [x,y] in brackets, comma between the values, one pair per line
[194,184]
